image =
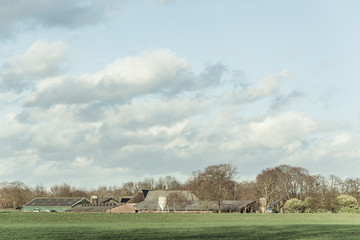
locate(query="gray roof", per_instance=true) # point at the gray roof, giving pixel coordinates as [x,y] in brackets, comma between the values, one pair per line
[92,208]
[55,202]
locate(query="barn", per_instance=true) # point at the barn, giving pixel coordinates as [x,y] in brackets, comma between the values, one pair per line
[96,205]
[58,204]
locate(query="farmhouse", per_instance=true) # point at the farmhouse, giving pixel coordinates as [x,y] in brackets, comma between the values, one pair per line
[59,204]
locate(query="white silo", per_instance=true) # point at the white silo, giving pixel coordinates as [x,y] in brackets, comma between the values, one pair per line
[162,202]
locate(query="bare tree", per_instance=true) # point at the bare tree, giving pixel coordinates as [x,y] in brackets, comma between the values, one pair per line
[245,190]
[175,200]
[266,185]
[129,188]
[14,194]
[40,191]
[147,183]
[215,183]
[168,183]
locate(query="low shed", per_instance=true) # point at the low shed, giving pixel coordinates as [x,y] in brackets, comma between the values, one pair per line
[93,208]
[54,204]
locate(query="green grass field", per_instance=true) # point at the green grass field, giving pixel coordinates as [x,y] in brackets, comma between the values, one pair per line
[178,226]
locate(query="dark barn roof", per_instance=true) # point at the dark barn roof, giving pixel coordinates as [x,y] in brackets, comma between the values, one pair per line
[106,200]
[125,199]
[55,202]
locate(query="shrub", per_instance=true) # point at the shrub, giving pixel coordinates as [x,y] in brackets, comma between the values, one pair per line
[310,204]
[346,203]
[294,206]
[349,210]
[322,210]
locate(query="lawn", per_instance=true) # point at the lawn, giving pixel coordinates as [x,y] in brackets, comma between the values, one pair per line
[177,226]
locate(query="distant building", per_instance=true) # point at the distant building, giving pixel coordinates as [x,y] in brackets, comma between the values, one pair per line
[58,204]
[151,201]
[96,205]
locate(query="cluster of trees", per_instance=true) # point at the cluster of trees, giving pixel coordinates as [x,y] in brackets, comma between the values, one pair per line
[317,192]
[343,203]
[313,193]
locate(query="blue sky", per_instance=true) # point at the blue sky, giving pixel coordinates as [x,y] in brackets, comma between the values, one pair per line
[101,92]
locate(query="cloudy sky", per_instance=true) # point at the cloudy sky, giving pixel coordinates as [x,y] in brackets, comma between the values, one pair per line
[101,92]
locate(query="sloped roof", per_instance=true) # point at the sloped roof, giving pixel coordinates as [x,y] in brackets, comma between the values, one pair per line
[92,208]
[55,202]
[138,197]
[124,208]
[105,200]
[125,199]
[154,195]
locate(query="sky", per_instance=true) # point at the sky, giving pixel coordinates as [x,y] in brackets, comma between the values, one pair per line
[97,93]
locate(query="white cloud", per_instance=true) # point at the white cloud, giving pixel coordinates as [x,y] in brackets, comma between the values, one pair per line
[280,130]
[268,86]
[41,60]
[337,154]
[82,162]
[160,71]
[10,127]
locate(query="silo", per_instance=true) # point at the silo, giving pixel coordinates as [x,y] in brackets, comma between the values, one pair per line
[162,202]
[94,199]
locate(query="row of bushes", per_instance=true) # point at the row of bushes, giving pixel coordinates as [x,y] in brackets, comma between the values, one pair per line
[344,203]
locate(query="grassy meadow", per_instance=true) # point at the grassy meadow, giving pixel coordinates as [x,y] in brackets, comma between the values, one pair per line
[21,225]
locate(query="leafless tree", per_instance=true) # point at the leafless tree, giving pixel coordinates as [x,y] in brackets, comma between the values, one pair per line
[215,183]
[14,194]
[175,199]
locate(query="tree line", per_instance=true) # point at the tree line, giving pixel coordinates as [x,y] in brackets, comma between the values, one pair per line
[214,183]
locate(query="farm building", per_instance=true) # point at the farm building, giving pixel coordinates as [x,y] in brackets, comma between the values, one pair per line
[59,204]
[151,202]
[124,208]
[138,197]
[199,206]
[96,205]
[186,201]
[227,206]
[102,207]
[109,200]
[125,199]
[95,200]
